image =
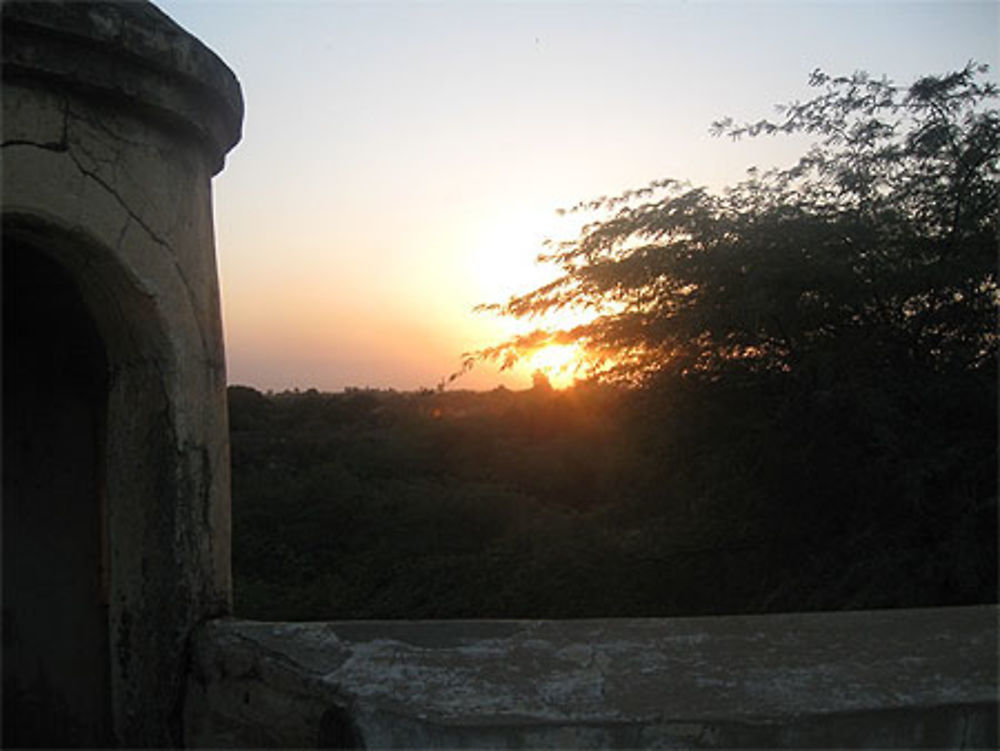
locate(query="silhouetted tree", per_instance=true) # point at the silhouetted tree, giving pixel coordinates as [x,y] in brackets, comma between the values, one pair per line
[878,245]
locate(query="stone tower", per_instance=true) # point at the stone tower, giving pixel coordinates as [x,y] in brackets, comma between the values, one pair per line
[115,444]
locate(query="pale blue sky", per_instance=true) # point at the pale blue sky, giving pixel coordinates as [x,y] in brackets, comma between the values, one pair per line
[401,161]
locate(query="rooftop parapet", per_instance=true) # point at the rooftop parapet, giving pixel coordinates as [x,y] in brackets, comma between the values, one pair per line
[861,679]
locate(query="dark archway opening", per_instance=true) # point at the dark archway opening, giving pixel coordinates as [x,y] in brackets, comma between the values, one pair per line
[55,624]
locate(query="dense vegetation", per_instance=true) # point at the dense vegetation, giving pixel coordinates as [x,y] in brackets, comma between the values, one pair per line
[601,501]
[793,404]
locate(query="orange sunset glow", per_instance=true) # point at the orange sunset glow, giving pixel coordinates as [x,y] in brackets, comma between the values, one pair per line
[402,163]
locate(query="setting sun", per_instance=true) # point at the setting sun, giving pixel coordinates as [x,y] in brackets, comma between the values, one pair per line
[561,363]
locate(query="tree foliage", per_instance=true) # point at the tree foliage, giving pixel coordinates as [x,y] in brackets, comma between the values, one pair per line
[877,246]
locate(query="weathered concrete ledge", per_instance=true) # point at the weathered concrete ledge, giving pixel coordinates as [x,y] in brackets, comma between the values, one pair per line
[904,678]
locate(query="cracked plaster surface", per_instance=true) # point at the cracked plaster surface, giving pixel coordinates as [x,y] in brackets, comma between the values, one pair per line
[158,187]
[124,186]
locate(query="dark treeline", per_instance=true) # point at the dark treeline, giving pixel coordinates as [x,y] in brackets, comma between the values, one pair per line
[602,501]
[791,403]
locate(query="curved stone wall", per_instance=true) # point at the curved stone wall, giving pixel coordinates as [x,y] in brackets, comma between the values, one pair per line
[114,121]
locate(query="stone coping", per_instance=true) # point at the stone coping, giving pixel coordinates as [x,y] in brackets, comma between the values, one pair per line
[870,678]
[131,53]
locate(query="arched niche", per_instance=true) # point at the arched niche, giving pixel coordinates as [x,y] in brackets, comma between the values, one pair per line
[56,687]
[97,595]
